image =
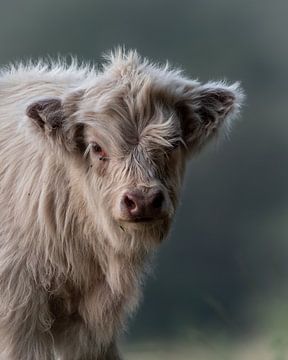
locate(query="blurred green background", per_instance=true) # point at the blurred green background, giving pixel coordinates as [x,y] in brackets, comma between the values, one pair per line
[219,286]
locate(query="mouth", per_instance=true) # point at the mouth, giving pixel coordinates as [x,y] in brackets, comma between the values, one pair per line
[154,227]
[142,220]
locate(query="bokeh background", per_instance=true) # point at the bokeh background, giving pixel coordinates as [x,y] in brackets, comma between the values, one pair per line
[219,289]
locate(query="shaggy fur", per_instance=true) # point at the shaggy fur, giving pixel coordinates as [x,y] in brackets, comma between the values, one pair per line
[70,261]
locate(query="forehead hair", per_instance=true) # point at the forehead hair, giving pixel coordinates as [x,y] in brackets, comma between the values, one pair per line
[131,109]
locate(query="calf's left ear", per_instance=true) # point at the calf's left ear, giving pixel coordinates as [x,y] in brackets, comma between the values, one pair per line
[207,109]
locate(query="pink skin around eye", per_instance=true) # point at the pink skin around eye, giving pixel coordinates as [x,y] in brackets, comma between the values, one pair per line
[103,154]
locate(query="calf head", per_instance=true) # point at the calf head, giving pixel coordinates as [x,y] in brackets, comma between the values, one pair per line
[129,132]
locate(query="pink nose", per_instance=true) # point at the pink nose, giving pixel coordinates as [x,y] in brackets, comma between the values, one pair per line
[140,206]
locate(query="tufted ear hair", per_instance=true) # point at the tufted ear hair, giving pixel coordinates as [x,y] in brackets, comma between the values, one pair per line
[54,118]
[207,109]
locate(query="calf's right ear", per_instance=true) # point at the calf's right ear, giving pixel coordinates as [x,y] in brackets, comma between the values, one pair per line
[55,119]
[46,114]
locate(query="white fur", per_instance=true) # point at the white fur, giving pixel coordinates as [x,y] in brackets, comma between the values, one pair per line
[69,271]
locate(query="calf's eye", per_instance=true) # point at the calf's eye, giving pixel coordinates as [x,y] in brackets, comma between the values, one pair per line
[98,150]
[175,145]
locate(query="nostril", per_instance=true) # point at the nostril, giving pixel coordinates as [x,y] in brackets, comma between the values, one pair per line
[158,200]
[130,203]
[138,205]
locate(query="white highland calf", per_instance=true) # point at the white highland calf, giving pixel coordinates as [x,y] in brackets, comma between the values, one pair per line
[91,165]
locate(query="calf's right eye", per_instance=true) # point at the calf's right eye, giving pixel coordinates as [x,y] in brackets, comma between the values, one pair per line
[96,148]
[98,151]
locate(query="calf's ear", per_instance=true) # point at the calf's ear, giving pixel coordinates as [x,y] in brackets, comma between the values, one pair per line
[46,114]
[55,119]
[206,110]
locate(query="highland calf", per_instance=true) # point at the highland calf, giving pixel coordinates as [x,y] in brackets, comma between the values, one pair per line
[91,165]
